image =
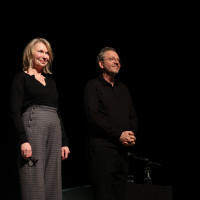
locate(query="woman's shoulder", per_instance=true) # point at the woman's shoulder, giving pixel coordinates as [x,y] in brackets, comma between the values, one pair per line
[19,75]
[18,78]
[51,80]
[50,77]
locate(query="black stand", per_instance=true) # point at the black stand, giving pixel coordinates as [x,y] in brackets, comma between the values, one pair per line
[148,167]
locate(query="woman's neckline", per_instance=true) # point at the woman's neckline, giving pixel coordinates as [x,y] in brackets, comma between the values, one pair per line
[42,83]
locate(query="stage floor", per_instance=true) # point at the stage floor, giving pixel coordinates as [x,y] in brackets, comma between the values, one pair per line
[134,191]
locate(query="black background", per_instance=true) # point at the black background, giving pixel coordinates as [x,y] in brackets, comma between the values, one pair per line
[150,43]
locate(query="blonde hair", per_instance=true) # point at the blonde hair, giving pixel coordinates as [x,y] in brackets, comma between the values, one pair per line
[28,55]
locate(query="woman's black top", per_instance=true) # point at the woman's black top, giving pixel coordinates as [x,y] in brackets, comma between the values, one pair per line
[27,91]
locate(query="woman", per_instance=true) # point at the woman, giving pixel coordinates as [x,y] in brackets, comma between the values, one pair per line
[35,116]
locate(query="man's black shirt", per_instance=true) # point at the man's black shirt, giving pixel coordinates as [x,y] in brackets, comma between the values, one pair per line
[109,111]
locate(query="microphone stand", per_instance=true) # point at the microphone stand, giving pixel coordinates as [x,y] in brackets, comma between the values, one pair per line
[148,166]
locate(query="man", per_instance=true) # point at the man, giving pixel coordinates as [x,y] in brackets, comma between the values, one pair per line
[111,127]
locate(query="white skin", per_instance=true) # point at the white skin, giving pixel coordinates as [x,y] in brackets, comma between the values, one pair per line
[110,68]
[40,60]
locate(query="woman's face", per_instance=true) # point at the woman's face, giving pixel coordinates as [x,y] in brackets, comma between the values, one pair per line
[40,56]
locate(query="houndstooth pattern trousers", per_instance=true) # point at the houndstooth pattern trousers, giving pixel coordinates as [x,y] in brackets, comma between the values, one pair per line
[42,181]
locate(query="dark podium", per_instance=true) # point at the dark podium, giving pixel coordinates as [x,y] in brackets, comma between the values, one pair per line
[146,191]
[134,192]
[150,192]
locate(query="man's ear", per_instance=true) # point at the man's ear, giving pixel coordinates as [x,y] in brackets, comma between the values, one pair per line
[101,64]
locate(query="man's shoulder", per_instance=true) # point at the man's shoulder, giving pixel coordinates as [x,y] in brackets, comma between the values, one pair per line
[121,84]
[93,81]
[93,84]
[124,87]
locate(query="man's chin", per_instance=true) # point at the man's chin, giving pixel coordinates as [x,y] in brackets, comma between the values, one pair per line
[113,74]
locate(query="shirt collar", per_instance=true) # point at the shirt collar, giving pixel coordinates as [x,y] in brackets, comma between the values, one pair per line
[104,82]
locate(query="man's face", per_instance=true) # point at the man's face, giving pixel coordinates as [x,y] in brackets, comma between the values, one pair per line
[111,63]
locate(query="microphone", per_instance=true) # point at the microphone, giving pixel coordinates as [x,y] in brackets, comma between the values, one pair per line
[145,160]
